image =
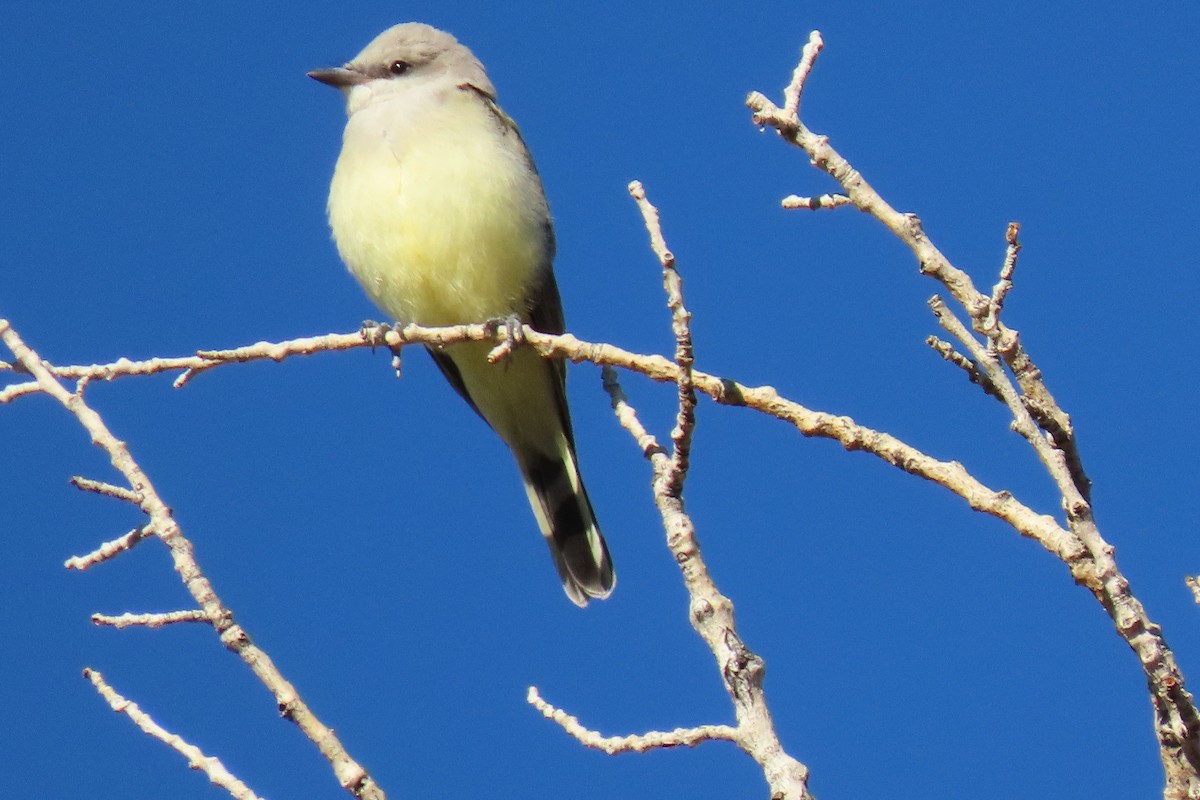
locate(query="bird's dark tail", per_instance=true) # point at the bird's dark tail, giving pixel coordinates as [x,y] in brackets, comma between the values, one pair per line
[566,519]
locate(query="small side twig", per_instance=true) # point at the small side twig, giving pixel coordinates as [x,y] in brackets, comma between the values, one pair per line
[107,489]
[1193,583]
[151,620]
[627,416]
[109,549]
[947,351]
[808,57]
[1005,284]
[634,743]
[818,203]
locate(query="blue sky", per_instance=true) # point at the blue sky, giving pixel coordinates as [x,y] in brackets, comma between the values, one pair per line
[163,171]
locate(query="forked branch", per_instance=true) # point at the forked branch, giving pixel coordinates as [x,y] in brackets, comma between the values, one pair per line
[1020,384]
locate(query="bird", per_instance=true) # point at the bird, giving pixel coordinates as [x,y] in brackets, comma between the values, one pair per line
[438,211]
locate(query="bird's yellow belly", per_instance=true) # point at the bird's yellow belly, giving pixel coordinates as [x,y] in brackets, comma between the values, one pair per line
[443,233]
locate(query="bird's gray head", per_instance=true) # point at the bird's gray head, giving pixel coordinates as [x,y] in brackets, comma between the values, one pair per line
[402,55]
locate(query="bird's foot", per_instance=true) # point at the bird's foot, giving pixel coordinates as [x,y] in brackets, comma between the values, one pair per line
[375,334]
[514,334]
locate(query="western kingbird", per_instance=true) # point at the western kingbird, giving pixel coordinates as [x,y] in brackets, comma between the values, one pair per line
[438,211]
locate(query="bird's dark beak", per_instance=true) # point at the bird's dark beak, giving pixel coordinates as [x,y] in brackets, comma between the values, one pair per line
[338,77]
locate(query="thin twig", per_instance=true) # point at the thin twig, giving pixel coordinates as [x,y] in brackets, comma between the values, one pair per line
[151,620]
[209,765]
[947,351]
[627,416]
[808,57]
[109,549]
[107,489]
[634,743]
[15,390]
[1005,284]
[681,326]
[818,203]
[1193,583]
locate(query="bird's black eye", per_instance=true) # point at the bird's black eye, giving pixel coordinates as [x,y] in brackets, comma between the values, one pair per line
[398,67]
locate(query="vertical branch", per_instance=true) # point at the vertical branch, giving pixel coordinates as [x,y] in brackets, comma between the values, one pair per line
[681,326]
[711,612]
[711,615]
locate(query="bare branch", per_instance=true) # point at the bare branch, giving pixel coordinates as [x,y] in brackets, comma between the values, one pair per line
[681,326]
[109,549]
[710,612]
[947,351]
[932,262]
[988,366]
[1193,583]
[1004,285]
[151,620]
[634,743]
[765,399]
[627,416]
[349,773]
[1033,407]
[100,487]
[818,203]
[15,390]
[209,765]
[808,57]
